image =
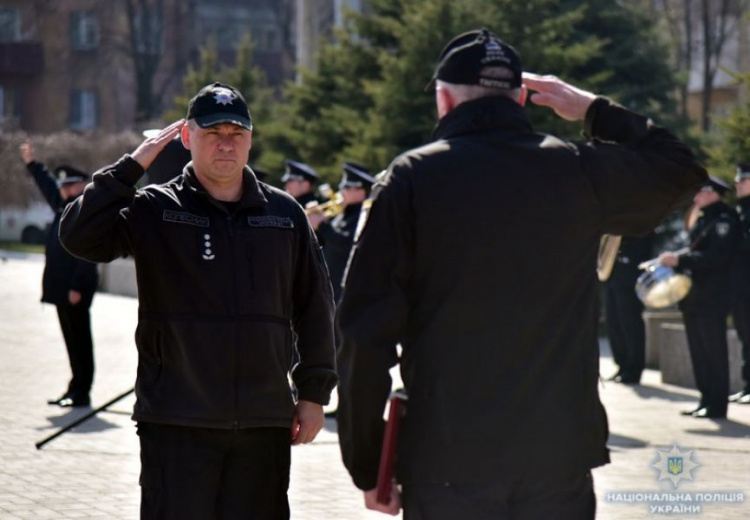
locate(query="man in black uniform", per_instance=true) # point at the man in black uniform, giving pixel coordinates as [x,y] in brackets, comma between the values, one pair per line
[228,271]
[68,282]
[741,279]
[299,182]
[713,240]
[495,307]
[337,236]
[624,310]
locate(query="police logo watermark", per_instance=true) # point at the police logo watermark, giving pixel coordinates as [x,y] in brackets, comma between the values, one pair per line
[722,229]
[674,466]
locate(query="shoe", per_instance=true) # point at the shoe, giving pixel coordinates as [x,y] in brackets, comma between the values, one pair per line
[691,412]
[709,413]
[58,400]
[740,397]
[626,379]
[68,402]
[332,414]
[614,376]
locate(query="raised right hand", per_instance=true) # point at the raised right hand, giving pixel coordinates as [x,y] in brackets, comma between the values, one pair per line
[568,102]
[152,146]
[27,152]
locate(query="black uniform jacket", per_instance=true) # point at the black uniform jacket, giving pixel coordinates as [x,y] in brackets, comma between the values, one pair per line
[715,236]
[62,271]
[741,260]
[337,238]
[220,296]
[633,251]
[479,258]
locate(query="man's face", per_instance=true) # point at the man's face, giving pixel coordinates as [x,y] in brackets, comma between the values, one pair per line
[353,195]
[705,198]
[219,152]
[297,187]
[71,190]
[743,187]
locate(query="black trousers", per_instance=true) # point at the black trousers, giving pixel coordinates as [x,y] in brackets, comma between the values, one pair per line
[741,317]
[625,328]
[709,352]
[75,322]
[211,474]
[540,498]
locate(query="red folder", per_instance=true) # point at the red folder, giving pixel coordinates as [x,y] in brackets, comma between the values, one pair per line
[387,468]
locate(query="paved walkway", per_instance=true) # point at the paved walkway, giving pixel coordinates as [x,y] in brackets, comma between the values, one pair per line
[92,472]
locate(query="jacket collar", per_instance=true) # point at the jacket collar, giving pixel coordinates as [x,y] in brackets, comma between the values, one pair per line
[252,195]
[479,115]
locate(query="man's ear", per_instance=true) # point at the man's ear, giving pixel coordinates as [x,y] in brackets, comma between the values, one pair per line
[185,136]
[445,101]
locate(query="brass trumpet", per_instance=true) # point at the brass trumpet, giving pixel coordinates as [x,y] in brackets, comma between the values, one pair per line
[332,207]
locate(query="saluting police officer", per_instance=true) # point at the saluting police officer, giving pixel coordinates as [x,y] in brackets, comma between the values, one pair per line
[741,279]
[337,236]
[705,309]
[68,283]
[624,310]
[299,181]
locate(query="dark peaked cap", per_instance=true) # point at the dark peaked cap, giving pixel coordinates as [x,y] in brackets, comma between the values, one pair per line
[296,170]
[716,184]
[68,175]
[743,171]
[356,176]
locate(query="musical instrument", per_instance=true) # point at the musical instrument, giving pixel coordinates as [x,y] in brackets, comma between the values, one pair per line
[332,207]
[660,286]
[609,245]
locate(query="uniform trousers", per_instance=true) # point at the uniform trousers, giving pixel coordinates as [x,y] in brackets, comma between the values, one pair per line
[741,318]
[212,474]
[625,328]
[75,322]
[709,352]
[537,498]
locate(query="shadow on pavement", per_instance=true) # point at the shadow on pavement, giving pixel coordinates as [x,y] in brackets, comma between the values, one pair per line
[727,428]
[652,392]
[92,425]
[621,441]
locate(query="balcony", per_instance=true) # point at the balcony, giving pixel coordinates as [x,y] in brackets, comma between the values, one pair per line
[21,59]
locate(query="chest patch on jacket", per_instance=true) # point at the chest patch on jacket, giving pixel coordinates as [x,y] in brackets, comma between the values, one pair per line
[180,217]
[271,221]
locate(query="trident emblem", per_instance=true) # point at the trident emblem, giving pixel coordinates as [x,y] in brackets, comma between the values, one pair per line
[674,465]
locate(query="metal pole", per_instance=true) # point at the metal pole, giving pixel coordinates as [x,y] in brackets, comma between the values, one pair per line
[82,419]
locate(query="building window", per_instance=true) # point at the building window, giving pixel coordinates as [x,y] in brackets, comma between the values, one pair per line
[84,110]
[149,34]
[10,24]
[84,30]
[10,106]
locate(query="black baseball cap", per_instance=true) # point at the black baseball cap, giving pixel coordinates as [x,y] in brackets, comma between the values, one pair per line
[68,175]
[479,58]
[218,103]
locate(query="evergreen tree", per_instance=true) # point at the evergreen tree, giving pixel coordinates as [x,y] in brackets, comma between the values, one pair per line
[732,143]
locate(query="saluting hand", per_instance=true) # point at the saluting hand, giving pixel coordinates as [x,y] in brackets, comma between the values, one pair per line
[27,152]
[568,102]
[152,146]
[307,422]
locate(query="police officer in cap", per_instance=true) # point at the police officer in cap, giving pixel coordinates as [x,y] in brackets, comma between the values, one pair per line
[713,240]
[68,282]
[337,236]
[741,279]
[299,182]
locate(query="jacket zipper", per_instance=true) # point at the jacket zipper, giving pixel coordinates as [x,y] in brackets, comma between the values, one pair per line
[232,253]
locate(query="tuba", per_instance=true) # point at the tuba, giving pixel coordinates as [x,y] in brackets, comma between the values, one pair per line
[609,245]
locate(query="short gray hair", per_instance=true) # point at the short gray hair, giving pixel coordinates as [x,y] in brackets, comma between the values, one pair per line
[463,93]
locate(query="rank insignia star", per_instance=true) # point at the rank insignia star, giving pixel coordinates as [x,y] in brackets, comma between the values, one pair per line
[223,96]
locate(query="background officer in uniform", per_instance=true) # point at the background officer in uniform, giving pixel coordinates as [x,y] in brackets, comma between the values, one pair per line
[624,310]
[741,279]
[68,282]
[229,273]
[299,181]
[337,236]
[495,305]
[713,240]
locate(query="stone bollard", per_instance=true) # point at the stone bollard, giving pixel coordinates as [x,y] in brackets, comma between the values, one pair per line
[653,319]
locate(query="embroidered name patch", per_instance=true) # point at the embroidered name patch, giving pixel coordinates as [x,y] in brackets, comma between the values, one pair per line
[181,217]
[271,221]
